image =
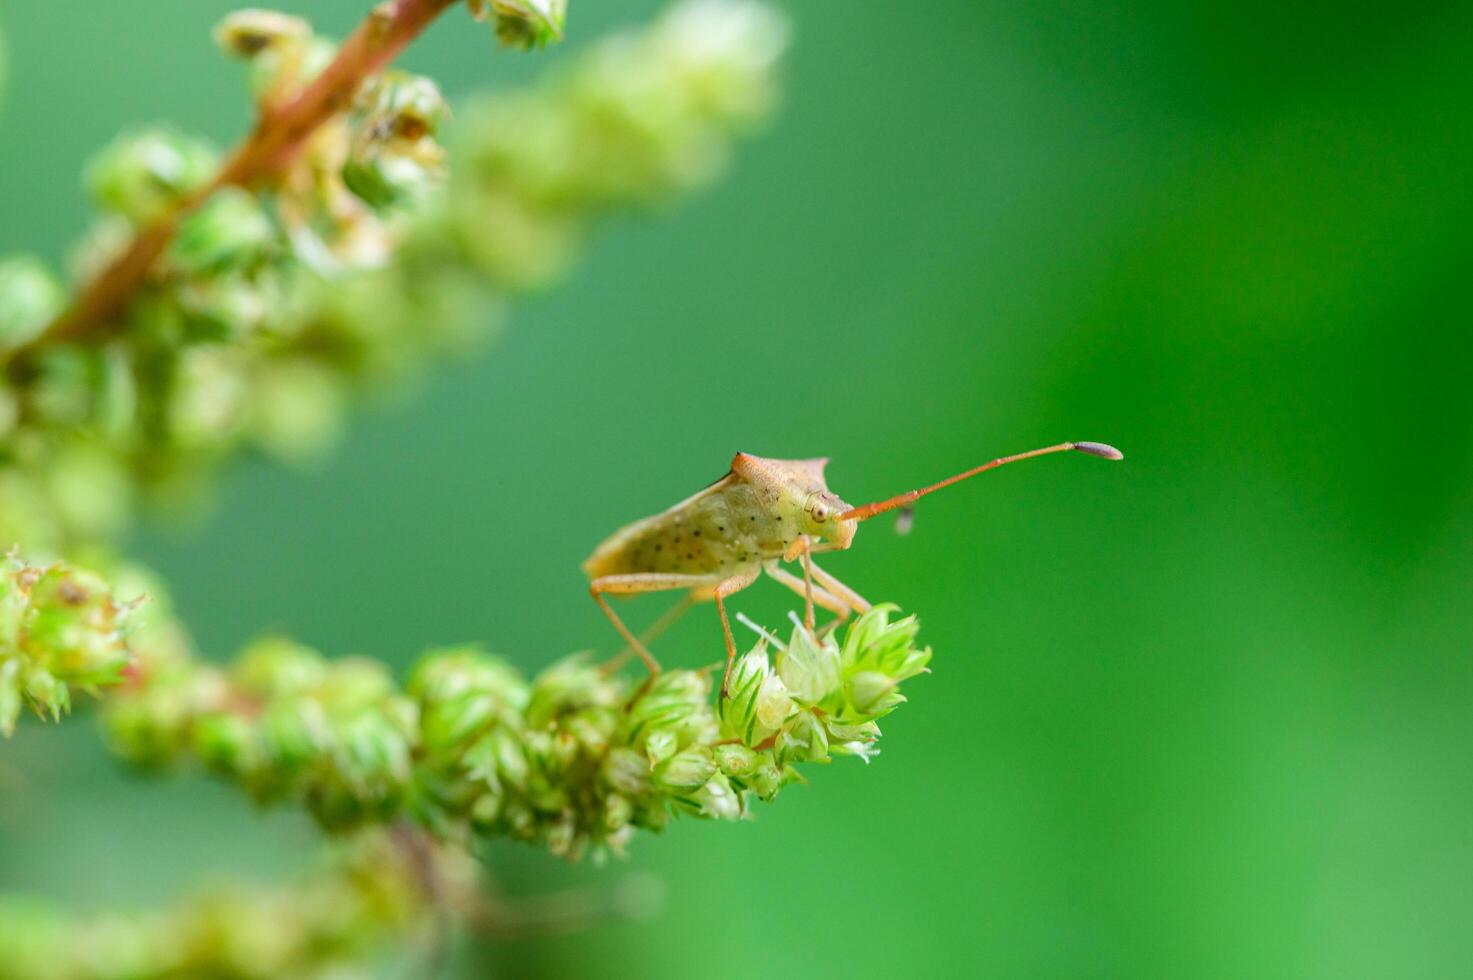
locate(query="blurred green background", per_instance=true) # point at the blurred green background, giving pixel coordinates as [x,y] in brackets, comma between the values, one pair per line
[1205,713]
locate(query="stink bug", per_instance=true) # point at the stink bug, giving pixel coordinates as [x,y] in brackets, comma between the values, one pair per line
[762,512]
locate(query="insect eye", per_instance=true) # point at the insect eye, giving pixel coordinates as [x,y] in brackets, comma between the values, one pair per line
[819,513]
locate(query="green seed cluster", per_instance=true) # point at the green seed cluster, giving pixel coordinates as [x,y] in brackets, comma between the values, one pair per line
[325,926]
[60,629]
[361,264]
[572,759]
[282,722]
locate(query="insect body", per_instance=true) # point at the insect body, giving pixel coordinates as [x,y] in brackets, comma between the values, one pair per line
[761,513]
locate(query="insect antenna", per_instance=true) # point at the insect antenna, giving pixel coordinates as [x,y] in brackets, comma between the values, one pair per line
[866,511]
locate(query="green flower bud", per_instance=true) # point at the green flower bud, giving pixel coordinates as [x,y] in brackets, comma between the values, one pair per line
[866,731]
[461,692]
[149,726]
[519,820]
[247,33]
[735,760]
[88,489]
[717,800]
[811,670]
[207,398]
[141,175]
[59,627]
[510,759]
[64,392]
[568,686]
[524,24]
[774,705]
[294,731]
[562,837]
[724,53]
[627,771]
[445,675]
[298,408]
[738,711]
[686,770]
[618,811]
[450,723]
[225,307]
[230,230]
[226,743]
[30,298]
[393,156]
[46,692]
[274,666]
[661,745]
[676,702]
[591,729]
[766,779]
[486,810]
[373,755]
[803,740]
[874,643]
[872,693]
[116,405]
[357,684]
[280,49]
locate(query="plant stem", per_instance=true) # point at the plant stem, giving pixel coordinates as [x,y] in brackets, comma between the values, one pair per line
[279,134]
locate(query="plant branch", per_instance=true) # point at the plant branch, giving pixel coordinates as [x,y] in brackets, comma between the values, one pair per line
[266,152]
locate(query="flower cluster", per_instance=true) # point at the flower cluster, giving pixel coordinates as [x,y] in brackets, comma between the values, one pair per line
[324,926]
[817,697]
[354,266]
[573,758]
[60,628]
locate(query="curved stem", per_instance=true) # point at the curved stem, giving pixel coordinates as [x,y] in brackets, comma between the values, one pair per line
[278,136]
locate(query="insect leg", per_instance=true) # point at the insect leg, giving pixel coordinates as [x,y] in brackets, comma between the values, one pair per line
[856,601]
[821,596]
[723,589]
[632,585]
[807,555]
[653,631]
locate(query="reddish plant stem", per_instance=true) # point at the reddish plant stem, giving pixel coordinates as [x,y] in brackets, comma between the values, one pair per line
[277,138]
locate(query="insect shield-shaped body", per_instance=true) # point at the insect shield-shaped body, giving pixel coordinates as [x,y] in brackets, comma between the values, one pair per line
[762,512]
[758,512]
